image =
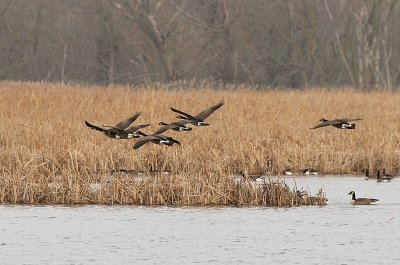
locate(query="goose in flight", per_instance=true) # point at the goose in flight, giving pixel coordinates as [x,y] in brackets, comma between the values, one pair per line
[342,123]
[176,126]
[121,130]
[198,120]
[155,138]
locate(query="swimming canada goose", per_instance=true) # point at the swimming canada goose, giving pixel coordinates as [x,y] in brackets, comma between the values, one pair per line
[252,176]
[367,176]
[288,172]
[155,139]
[176,126]
[310,171]
[307,171]
[198,120]
[360,201]
[343,123]
[120,130]
[381,178]
[385,175]
[366,173]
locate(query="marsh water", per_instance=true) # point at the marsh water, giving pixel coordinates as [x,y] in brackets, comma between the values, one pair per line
[338,233]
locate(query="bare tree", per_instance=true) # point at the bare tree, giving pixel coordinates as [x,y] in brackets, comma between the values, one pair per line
[107,42]
[142,14]
[260,42]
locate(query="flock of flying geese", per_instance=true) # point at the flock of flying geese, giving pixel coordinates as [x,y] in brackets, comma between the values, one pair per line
[125,130]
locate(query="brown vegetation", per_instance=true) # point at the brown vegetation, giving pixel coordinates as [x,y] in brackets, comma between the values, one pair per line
[44,141]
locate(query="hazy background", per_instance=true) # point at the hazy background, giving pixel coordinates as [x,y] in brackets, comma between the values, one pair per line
[259,42]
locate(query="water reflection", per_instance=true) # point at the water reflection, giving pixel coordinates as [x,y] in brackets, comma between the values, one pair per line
[338,233]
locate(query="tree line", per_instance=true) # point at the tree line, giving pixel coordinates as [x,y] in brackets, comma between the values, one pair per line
[275,43]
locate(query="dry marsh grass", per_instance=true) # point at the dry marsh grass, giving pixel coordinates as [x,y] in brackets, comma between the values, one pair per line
[43,140]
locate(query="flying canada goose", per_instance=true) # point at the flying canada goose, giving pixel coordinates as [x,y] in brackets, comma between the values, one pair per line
[343,123]
[360,201]
[120,130]
[381,178]
[176,126]
[155,139]
[198,120]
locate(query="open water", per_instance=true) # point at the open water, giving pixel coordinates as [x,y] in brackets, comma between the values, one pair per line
[338,233]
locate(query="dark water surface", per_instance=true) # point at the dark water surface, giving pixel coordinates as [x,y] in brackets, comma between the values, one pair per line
[338,233]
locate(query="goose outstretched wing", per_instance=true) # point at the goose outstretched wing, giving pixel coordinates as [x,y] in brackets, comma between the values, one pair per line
[207,112]
[125,123]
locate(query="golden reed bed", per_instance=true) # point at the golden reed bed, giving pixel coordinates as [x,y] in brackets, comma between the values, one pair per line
[48,155]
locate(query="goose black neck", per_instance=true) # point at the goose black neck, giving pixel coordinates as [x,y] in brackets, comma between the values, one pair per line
[141,133]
